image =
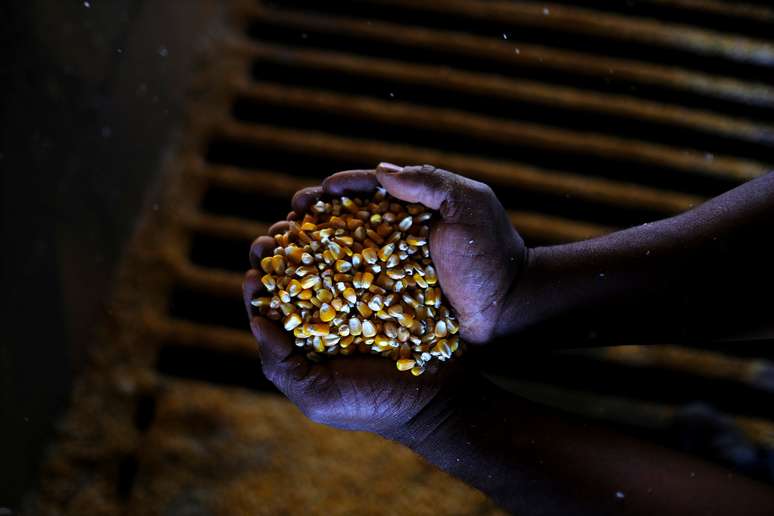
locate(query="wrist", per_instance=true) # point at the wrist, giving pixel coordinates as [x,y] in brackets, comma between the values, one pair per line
[452,409]
[522,305]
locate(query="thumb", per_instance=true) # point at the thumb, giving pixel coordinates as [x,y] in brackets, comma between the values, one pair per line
[433,187]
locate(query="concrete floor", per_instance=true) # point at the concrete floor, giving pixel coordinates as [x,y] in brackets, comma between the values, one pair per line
[96,95]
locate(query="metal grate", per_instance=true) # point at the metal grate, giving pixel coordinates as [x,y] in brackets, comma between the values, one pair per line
[583,119]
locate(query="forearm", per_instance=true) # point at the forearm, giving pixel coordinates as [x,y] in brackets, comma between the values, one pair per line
[532,462]
[698,275]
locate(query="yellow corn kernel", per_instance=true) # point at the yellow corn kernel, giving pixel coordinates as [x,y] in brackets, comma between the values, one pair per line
[454,343]
[317,329]
[369,330]
[266,264]
[386,251]
[417,370]
[307,259]
[346,341]
[364,310]
[349,295]
[343,266]
[305,270]
[452,326]
[305,295]
[308,226]
[383,341]
[284,296]
[310,281]
[324,295]
[337,222]
[367,279]
[404,364]
[268,282]
[355,327]
[294,287]
[261,302]
[331,339]
[338,304]
[370,255]
[420,281]
[416,240]
[291,321]
[278,263]
[376,303]
[440,329]
[430,275]
[349,205]
[396,274]
[396,311]
[327,312]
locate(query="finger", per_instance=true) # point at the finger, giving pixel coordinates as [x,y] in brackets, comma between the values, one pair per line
[436,188]
[279,227]
[251,286]
[351,182]
[306,197]
[280,364]
[292,215]
[261,247]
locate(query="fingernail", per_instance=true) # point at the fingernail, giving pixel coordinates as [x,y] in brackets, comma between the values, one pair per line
[389,167]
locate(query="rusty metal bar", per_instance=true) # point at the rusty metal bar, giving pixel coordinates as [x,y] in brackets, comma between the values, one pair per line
[648,415]
[498,172]
[753,12]
[515,89]
[580,20]
[506,132]
[760,94]
[708,364]
[545,227]
[200,335]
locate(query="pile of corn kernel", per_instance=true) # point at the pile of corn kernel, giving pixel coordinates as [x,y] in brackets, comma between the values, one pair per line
[356,276]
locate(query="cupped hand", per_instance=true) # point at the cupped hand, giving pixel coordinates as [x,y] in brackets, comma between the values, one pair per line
[477,253]
[355,392]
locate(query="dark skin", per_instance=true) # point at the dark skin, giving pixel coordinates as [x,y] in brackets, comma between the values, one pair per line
[530,459]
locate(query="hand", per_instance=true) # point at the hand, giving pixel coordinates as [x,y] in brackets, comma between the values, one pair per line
[356,392]
[477,254]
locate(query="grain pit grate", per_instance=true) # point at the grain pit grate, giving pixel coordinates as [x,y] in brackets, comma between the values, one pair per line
[581,127]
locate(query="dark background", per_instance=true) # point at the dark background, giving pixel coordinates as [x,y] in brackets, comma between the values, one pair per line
[92,95]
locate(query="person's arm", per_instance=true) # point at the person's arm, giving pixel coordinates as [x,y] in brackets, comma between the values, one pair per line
[533,461]
[703,275]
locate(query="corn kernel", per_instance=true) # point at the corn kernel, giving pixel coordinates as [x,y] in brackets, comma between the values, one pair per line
[327,312]
[404,364]
[310,281]
[261,302]
[364,310]
[369,330]
[268,282]
[349,295]
[292,321]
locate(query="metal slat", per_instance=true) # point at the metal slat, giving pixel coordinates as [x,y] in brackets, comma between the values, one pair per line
[753,12]
[464,82]
[598,23]
[496,172]
[506,132]
[759,94]
[531,224]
